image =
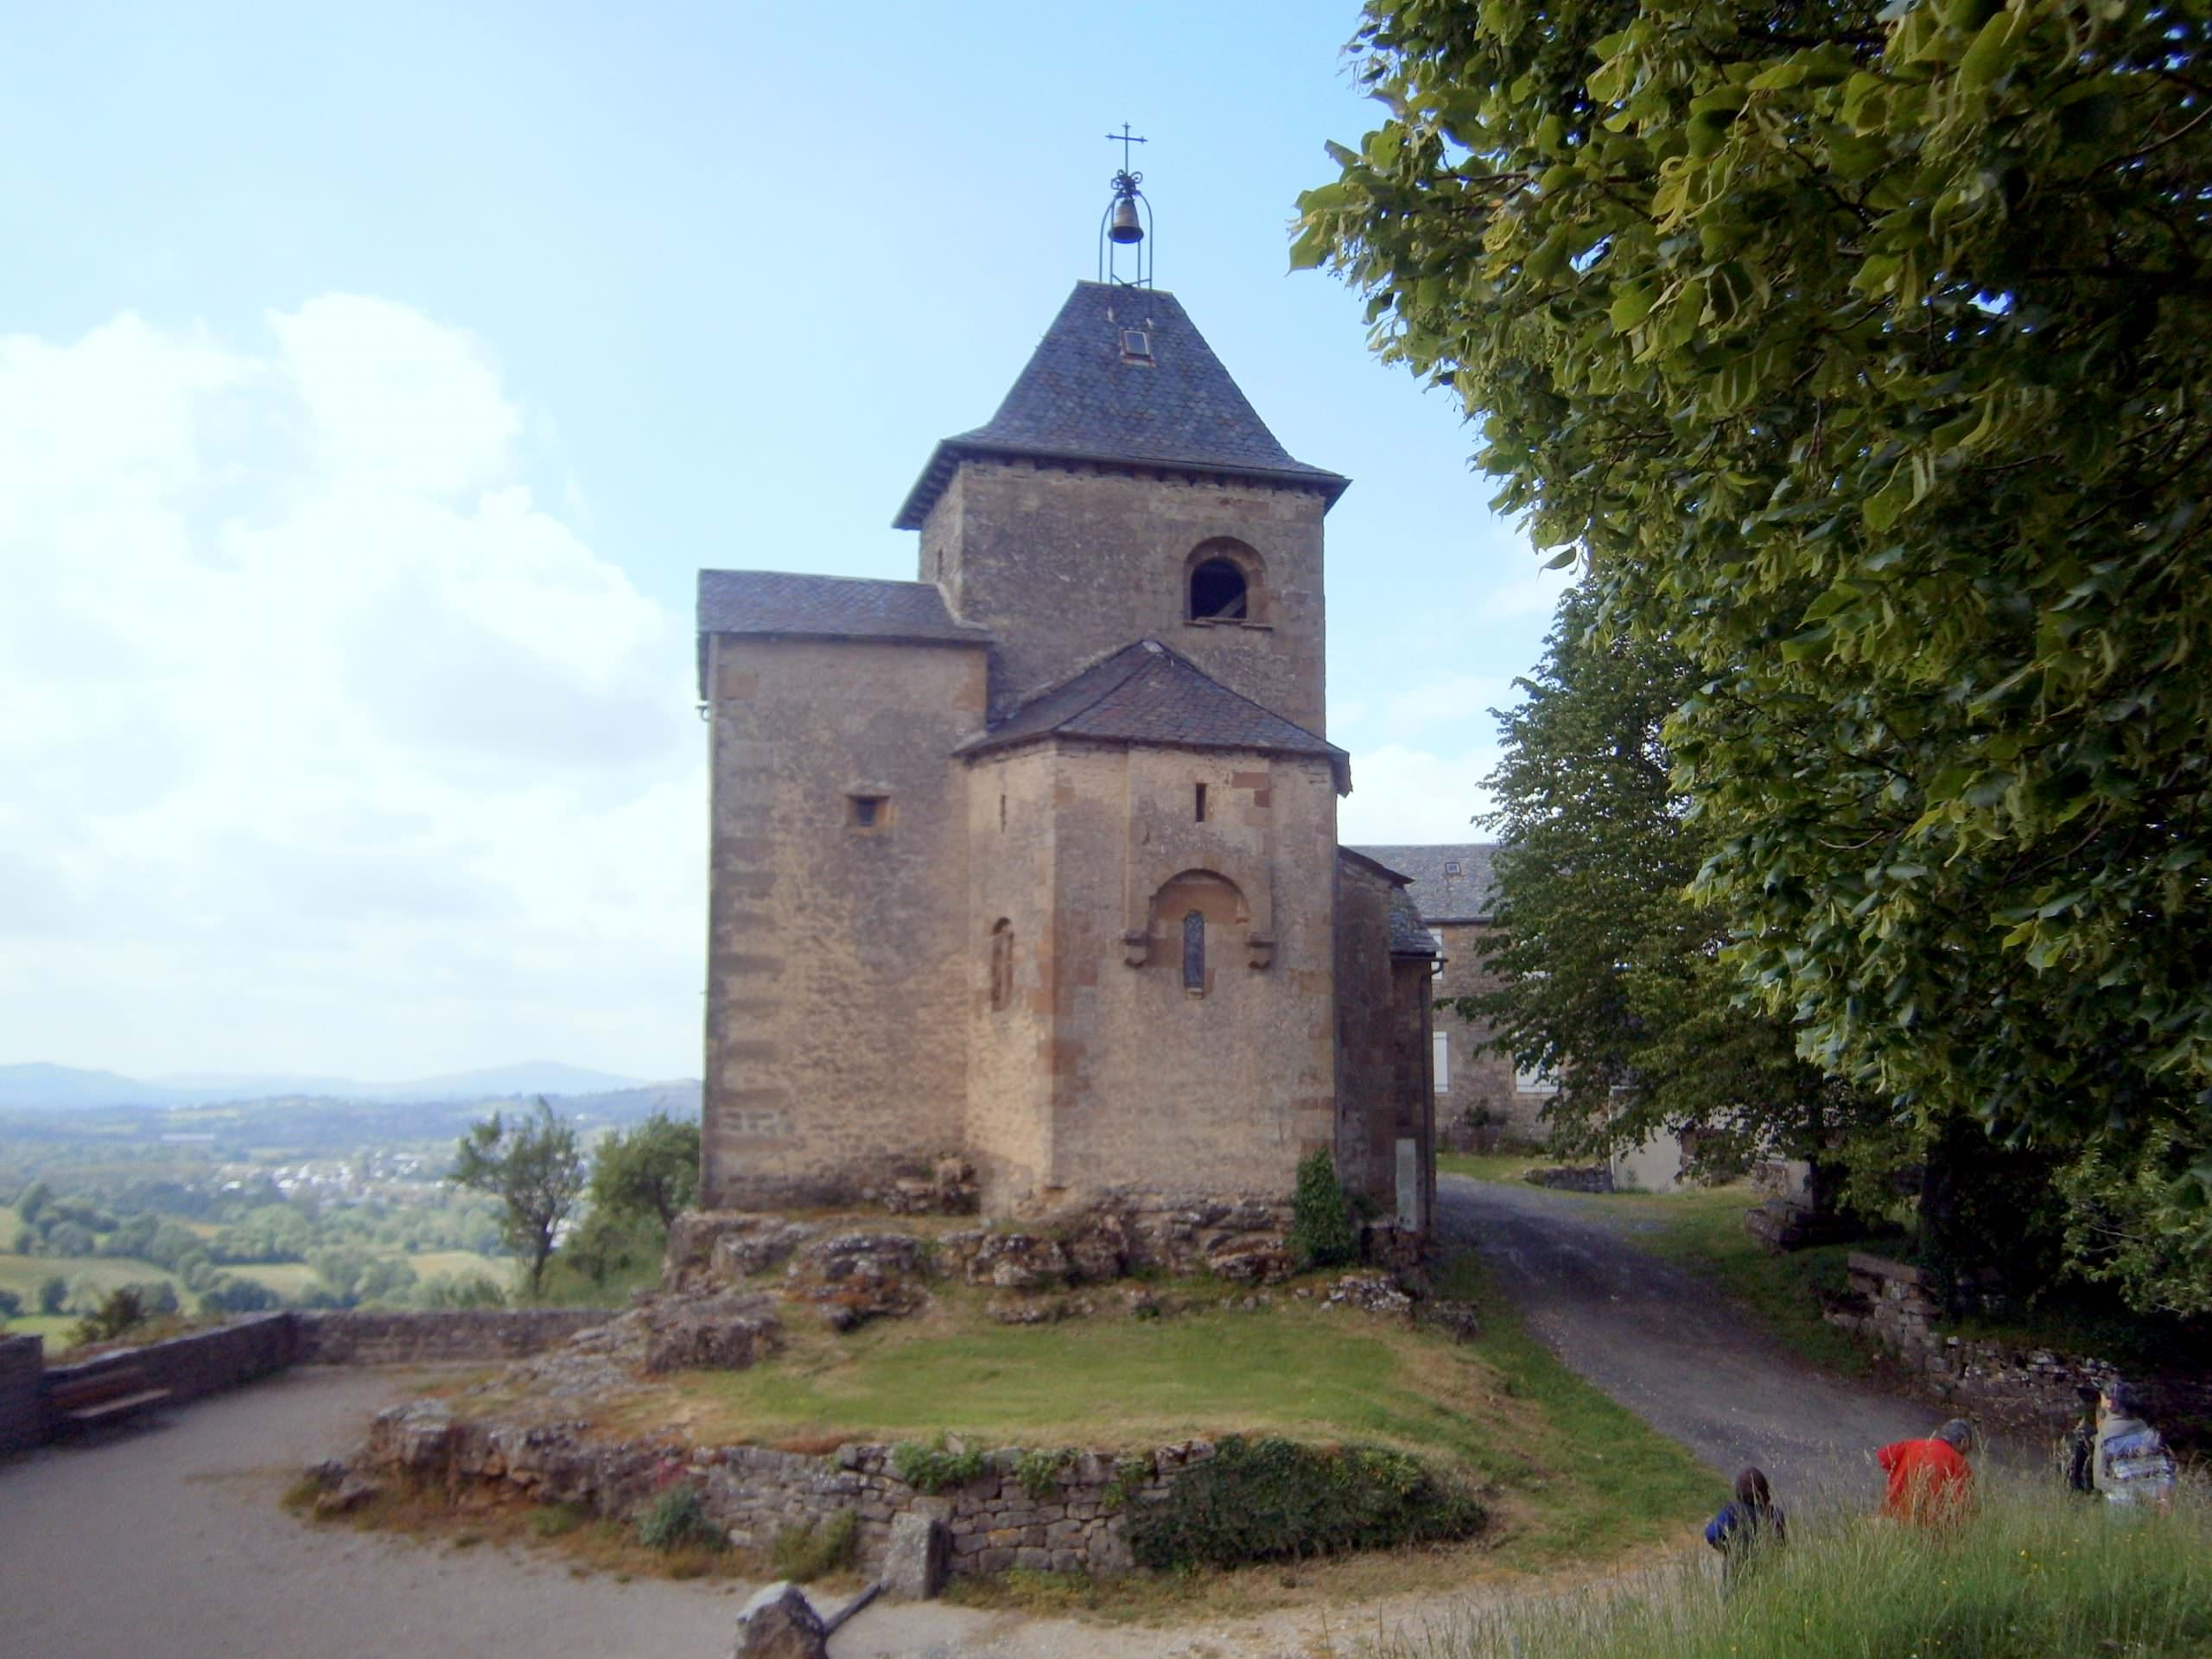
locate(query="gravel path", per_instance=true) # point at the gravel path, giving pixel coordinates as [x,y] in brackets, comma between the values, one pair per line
[1665,1344]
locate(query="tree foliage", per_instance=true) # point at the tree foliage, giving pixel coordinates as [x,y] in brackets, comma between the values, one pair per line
[1609,975]
[532,1166]
[651,1168]
[1864,355]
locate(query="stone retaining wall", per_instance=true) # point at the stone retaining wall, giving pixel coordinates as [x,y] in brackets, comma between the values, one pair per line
[199,1362]
[1894,1305]
[225,1356]
[995,1522]
[409,1337]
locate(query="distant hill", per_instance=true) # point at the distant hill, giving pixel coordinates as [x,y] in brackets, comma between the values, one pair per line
[40,1087]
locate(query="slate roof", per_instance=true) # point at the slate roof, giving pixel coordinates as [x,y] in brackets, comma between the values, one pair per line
[841,608]
[1083,397]
[825,607]
[1462,898]
[1409,935]
[1145,693]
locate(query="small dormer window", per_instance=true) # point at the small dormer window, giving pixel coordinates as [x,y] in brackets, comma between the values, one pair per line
[1451,869]
[1136,346]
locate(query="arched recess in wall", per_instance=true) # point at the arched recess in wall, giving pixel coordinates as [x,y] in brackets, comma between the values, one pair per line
[1224,581]
[1198,918]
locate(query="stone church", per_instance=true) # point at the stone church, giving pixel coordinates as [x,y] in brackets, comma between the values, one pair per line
[1032,861]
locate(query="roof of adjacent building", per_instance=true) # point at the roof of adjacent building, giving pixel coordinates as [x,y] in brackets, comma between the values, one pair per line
[1146,693]
[1451,883]
[1085,396]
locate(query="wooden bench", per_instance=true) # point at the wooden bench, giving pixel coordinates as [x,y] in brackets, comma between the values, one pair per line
[105,1395]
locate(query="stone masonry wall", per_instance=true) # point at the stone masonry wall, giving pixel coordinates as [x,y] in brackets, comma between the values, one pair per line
[23,1423]
[407,1337]
[1894,1306]
[228,1356]
[838,955]
[197,1363]
[996,1521]
[1477,1080]
[1220,1089]
[1066,563]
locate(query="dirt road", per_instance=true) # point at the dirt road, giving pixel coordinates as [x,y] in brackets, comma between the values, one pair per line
[1660,1341]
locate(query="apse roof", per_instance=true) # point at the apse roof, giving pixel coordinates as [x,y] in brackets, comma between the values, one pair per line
[1146,693]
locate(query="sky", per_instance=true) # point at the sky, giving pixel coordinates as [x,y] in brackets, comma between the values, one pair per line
[374,381]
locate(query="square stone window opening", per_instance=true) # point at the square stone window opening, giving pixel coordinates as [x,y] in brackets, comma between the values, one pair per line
[867,812]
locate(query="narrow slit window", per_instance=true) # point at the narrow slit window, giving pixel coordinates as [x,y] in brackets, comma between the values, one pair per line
[1194,952]
[1198,804]
[1002,815]
[1001,964]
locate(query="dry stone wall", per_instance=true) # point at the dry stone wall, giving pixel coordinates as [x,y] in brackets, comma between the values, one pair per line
[408,1336]
[1895,1305]
[1064,1517]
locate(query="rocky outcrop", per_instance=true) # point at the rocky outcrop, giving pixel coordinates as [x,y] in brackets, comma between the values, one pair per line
[948,1190]
[850,1278]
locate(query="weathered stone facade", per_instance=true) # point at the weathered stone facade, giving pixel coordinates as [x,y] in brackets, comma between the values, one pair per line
[1031,862]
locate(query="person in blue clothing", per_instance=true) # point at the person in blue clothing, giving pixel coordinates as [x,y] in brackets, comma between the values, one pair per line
[1748,1525]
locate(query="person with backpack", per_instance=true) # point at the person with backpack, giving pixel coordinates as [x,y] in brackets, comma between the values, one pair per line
[2132,1464]
[1930,1482]
[1749,1524]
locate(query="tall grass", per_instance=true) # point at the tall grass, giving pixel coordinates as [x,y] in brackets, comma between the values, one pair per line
[2036,1574]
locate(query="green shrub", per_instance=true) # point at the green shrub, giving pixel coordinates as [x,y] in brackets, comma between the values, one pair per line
[120,1311]
[1037,1473]
[935,1468]
[1321,1233]
[804,1553]
[1272,1499]
[677,1519]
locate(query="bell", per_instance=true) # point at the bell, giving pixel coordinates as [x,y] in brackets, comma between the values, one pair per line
[1124,227]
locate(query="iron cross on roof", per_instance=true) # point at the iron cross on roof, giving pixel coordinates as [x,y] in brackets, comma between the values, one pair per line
[1124,140]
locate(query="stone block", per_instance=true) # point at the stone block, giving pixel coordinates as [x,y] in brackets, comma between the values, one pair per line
[779,1623]
[918,1558]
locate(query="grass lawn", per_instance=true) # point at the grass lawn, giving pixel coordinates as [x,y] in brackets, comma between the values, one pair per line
[1570,1475]
[1492,1165]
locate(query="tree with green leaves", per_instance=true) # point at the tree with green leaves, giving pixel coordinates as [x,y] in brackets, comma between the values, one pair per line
[650,1169]
[1610,976]
[532,1166]
[1863,352]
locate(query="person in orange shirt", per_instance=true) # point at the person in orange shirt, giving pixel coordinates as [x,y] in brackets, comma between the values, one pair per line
[1931,1484]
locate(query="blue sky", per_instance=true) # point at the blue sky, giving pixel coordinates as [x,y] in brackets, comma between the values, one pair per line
[373,382]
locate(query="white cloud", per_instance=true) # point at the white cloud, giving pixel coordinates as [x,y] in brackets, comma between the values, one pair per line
[328,748]
[1535,593]
[1407,795]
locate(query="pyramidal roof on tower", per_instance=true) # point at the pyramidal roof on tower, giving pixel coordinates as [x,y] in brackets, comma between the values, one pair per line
[1122,376]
